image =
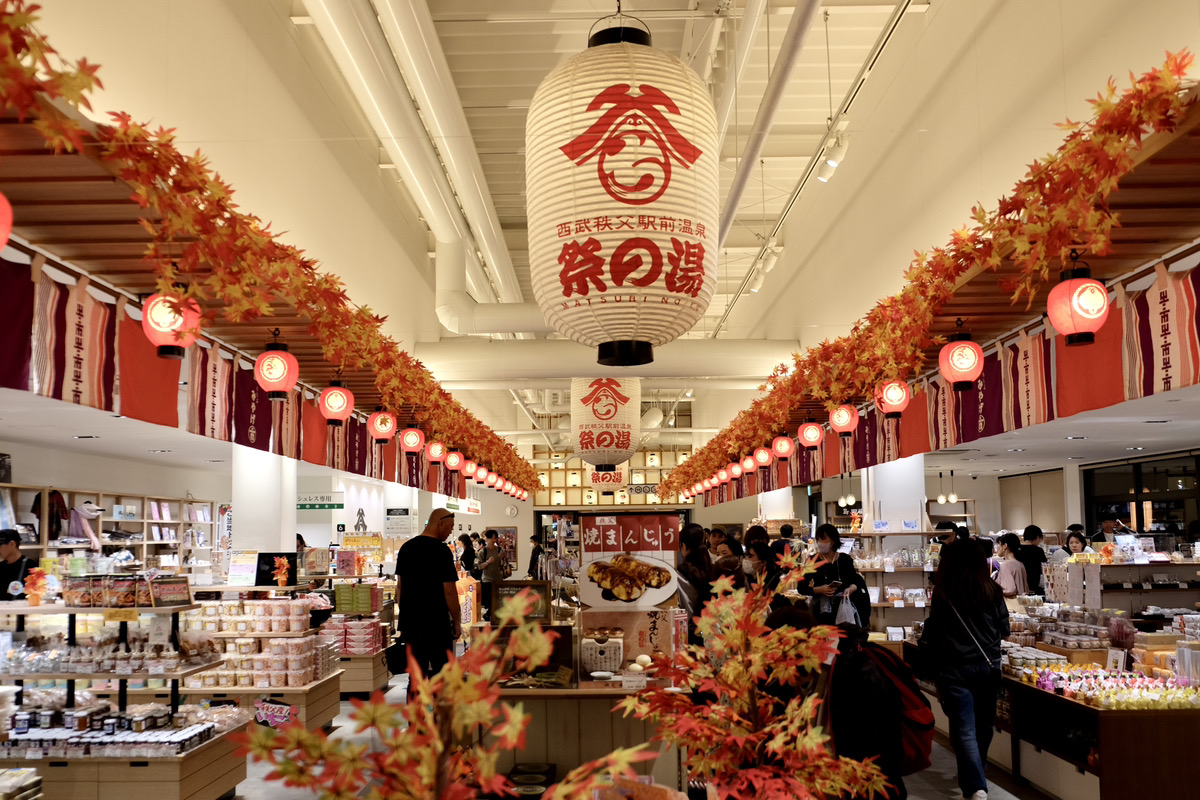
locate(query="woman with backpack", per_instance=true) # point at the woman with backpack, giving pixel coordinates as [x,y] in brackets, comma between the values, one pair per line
[960,644]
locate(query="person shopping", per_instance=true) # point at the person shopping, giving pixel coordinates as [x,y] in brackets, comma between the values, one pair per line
[1077,542]
[835,581]
[1010,575]
[960,644]
[492,570]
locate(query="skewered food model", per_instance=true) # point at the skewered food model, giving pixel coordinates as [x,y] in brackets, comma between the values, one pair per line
[626,577]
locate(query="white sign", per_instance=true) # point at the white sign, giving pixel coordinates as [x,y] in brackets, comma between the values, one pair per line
[607,481]
[467,506]
[243,567]
[910,525]
[881,526]
[312,501]
[398,522]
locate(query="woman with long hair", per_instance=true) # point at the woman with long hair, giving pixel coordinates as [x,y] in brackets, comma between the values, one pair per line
[835,580]
[961,643]
[695,573]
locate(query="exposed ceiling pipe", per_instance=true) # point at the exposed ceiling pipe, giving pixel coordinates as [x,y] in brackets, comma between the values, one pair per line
[564,384]
[352,34]
[751,18]
[463,359]
[418,50]
[460,314]
[789,52]
[532,418]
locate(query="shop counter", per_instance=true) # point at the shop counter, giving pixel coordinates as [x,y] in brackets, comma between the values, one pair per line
[569,727]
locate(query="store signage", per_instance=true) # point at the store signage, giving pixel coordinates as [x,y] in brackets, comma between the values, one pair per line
[273,713]
[170,592]
[398,522]
[881,526]
[607,481]
[311,501]
[121,615]
[910,525]
[466,505]
[643,488]
[243,567]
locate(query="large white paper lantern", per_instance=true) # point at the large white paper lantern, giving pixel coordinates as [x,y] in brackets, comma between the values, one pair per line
[605,419]
[622,197]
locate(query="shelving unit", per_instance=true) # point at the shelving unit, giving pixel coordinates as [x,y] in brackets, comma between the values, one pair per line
[564,482]
[960,512]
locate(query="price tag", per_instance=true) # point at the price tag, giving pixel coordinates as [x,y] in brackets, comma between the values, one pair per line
[1127,585]
[57,752]
[634,682]
[898,603]
[157,669]
[918,604]
[33,754]
[120,615]
[1183,585]
[1147,586]
[881,526]
[929,566]
[910,525]
[124,669]
[160,630]
[889,567]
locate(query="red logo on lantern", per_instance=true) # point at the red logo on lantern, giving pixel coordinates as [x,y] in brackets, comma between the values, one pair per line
[633,123]
[583,266]
[812,435]
[605,398]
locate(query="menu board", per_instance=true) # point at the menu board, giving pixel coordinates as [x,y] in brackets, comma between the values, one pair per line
[243,566]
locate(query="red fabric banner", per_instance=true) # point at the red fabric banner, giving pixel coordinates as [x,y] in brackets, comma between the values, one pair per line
[914,426]
[148,385]
[314,442]
[1086,378]
[285,425]
[16,334]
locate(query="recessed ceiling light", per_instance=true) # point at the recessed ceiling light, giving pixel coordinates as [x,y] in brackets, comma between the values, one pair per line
[1074,458]
[1157,421]
[158,451]
[1017,450]
[1076,437]
[87,436]
[1135,448]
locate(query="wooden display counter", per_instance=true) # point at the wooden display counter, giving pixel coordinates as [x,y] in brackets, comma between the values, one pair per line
[364,674]
[208,772]
[316,704]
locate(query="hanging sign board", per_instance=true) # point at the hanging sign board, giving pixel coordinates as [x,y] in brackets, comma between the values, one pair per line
[314,501]
[398,522]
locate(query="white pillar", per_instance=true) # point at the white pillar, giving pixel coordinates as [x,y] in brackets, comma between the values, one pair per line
[1073,495]
[264,501]
[896,491]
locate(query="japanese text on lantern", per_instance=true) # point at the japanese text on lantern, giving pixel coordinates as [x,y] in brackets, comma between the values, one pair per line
[583,266]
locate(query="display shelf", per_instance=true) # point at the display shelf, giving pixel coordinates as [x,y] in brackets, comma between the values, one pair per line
[363,674]
[28,610]
[226,588]
[894,606]
[109,676]
[286,635]
[1098,656]
[881,570]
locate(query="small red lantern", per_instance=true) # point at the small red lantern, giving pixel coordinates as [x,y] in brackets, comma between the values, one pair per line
[735,470]
[844,420]
[1078,306]
[481,473]
[454,461]
[783,447]
[168,329]
[763,457]
[435,452]
[491,480]
[336,404]
[6,220]
[811,434]
[892,398]
[723,475]
[508,487]
[276,371]
[708,484]
[697,488]
[961,361]
[382,426]
[468,468]
[748,465]
[412,440]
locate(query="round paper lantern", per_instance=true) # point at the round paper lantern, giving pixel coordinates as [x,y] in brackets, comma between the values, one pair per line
[1078,306]
[892,398]
[622,194]
[336,404]
[382,426]
[481,473]
[606,420]
[276,371]
[708,484]
[723,475]
[454,461]
[697,487]
[435,452]
[508,486]
[491,480]
[763,457]
[783,447]
[844,419]
[748,465]
[960,361]
[412,440]
[811,435]
[168,329]
[468,469]
[6,220]
[735,470]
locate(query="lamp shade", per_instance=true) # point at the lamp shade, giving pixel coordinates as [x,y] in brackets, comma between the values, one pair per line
[811,435]
[723,475]
[412,440]
[961,361]
[508,487]
[481,473]
[763,457]
[382,426]
[468,468]
[454,461]
[783,447]
[748,465]
[336,404]
[844,420]
[491,479]
[276,371]
[891,397]
[1078,306]
[621,175]
[169,330]
[735,470]
[435,452]
[708,484]
[606,420]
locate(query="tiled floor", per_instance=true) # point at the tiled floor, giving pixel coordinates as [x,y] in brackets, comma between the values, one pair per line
[936,783]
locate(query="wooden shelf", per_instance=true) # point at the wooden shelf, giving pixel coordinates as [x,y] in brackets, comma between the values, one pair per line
[27,610]
[287,635]
[932,514]
[110,676]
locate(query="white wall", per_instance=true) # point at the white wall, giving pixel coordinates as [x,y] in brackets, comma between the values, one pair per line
[983,489]
[735,511]
[896,491]
[1036,499]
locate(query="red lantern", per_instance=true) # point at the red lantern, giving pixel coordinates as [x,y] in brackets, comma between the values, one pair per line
[382,426]
[481,474]
[412,440]
[1078,306]
[892,398]
[168,329]
[961,361]
[697,488]
[276,371]
[435,452]
[491,480]
[468,468]
[844,419]
[763,457]
[748,465]
[811,434]
[508,487]
[708,484]
[454,461]
[735,470]
[783,447]
[336,404]
[6,220]
[723,475]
